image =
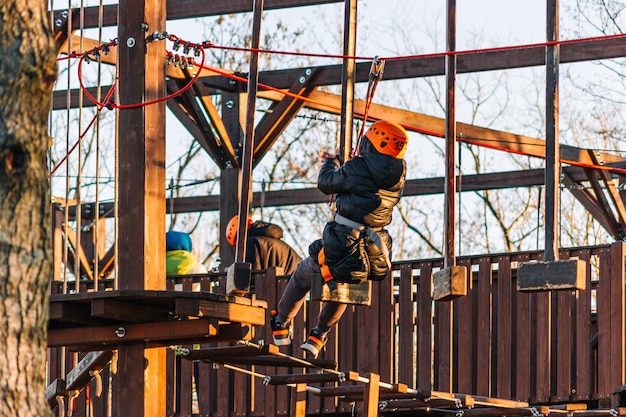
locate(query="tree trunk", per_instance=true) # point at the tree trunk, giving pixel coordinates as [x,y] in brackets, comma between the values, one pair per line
[27,72]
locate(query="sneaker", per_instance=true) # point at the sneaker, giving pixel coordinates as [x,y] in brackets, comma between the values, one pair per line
[281,332]
[314,343]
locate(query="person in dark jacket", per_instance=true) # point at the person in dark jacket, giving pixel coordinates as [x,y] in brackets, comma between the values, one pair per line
[355,245]
[265,247]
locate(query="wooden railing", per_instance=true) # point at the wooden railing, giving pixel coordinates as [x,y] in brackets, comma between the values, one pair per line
[543,347]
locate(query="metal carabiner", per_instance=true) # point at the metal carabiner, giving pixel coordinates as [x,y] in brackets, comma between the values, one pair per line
[377,69]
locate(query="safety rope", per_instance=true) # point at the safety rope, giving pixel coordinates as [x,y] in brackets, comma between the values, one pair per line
[375,75]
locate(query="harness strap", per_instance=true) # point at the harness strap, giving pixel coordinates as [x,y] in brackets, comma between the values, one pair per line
[371,233]
[325,270]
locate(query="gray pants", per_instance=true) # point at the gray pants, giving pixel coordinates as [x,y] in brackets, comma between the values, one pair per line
[298,287]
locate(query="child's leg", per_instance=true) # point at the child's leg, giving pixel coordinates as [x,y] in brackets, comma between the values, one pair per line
[297,288]
[329,315]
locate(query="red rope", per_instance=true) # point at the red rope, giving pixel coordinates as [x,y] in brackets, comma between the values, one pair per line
[108,95]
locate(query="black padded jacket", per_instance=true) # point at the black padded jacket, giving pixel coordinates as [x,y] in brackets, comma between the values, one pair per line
[366,189]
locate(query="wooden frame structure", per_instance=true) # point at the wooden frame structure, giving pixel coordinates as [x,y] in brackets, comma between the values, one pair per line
[95,315]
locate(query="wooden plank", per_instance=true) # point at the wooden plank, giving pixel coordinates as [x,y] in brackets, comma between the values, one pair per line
[406,326]
[346,293]
[464,333]
[450,283]
[563,345]
[543,343]
[387,360]
[127,311]
[603,320]
[503,334]
[522,343]
[443,342]
[370,396]
[85,370]
[618,318]
[583,368]
[424,329]
[107,336]
[299,401]
[484,335]
[184,9]
[551,275]
[54,390]
[220,310]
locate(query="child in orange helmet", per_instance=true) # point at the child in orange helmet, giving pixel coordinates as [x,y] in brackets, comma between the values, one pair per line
[264,247]
[355,246]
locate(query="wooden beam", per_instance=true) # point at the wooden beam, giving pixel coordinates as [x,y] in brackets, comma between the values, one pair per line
[114,335]
[414,187]
[185,9]
[84,370]
[281,113]
[220,310]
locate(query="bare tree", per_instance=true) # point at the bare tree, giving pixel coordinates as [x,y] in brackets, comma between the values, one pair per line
[28,67]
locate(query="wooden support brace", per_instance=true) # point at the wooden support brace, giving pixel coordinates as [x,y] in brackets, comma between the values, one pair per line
[370,396]
[54,390]
[450,283]
[552,275]
[346,293]
[84,370]
[299,401]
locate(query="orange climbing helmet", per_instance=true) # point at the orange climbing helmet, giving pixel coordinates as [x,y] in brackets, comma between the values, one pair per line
[388,138]
[233,228]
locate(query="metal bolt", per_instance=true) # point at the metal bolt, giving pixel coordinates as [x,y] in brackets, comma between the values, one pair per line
[130,42]
[144,27]
[64,14]
[230,104]
[120,332]
[302,80]
[58,22]
[308,71]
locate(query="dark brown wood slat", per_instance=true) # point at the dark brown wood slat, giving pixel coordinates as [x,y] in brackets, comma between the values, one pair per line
[604,326]
[522,342]
[563,345]
[504,325]
[483,335]
[443,339]
[406,326]
[387,361]
[543,336]
[617,318]
[464,332]
[424,327]
[582,323]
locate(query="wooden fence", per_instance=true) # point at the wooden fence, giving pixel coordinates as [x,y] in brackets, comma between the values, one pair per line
[545,348]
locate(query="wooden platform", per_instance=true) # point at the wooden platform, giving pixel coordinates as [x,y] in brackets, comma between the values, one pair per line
[105,319]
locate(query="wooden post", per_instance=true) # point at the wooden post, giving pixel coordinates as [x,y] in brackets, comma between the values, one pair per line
[347,79]
[141,193]
[552,273]
[442,280]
